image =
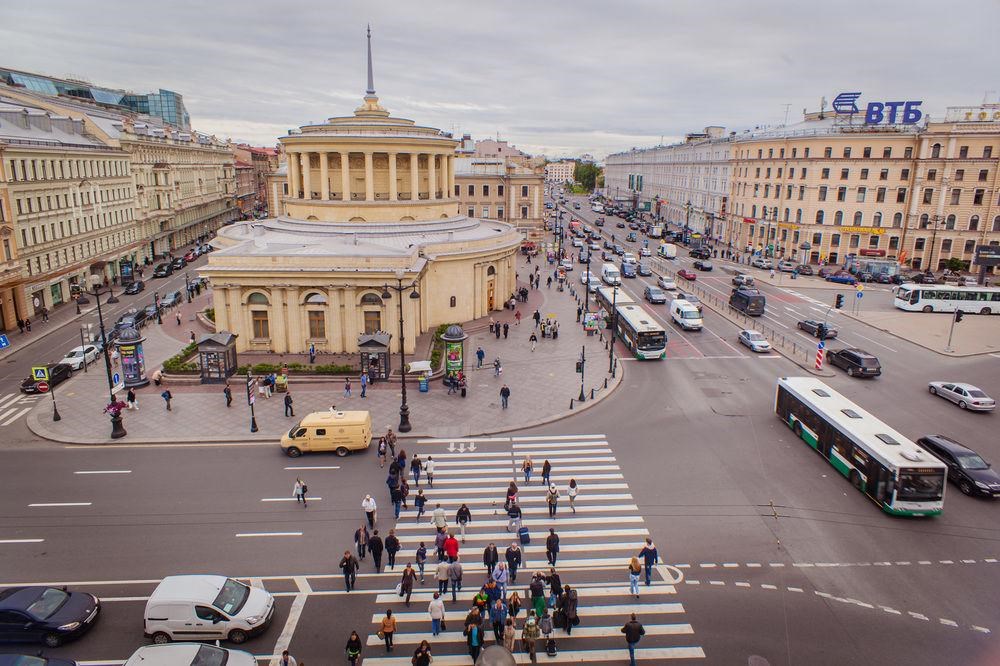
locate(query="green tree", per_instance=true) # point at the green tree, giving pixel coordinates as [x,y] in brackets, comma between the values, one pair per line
[586,174]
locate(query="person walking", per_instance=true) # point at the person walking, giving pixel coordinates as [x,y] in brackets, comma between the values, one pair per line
[480,357]
[498,329]
[537,590]
[497,368]
[498,616]
[572,492]
[361,540]
[490,558]
[429,470]
[513,518]
[436,610]
[527,466]
[506,330]
[419,502]
[395,495]
[416,466]
[228,392]
[390,438]
[568,604]
[533,339]
[634,569]
[517,318]
[439,519]
[513,557]
[514,604]
[511,496]
[439,540]
[27,323]
[287,659]
[375,547]
[347,387]
[382,450]
[451,547]
[552,546]
[546,473]
[455,577]
[552,499]
[633,631]
[421,559]
[529,634]
[406,582]
[131,401]
[474,639]
[422,655]
[441,575]
[299,491]
[537,316]
[650,556]
[364,383]
[504,396]
[178,315]
[387,628]
[167,397]
[509,635]
[349,565]
[391,548]
[463,518]
[353,648]
[288,405]
[370,508]
[502,577]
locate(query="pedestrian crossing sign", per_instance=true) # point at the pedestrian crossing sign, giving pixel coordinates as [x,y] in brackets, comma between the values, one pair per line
[40,373]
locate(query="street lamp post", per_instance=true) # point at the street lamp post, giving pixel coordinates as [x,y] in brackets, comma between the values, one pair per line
[687,222]
[583,367]
[156,302]
[614,329]
[399,288]
[187,287]
[930,255]
[83,346]
[117,430]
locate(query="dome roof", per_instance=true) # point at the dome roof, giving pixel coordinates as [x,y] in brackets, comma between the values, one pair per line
[129,334]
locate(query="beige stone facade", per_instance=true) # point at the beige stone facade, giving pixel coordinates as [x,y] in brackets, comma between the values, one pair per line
[560,172]
[10,267]
[497,189]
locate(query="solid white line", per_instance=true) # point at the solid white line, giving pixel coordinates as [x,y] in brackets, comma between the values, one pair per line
[582,632]
[499,491]
[294,613]
[550,438]
[21,540]
[554,477]
[104,471]
[289,499]
[562,468]
[7,413]
[465,440]
[268,534]
[568,443]
[317,467]
[50,504]
[563,657]
[767,316]
[16,416]
[587,611]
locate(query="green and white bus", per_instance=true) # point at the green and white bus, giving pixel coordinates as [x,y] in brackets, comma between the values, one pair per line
[640,332]
[896,474]
[606,296]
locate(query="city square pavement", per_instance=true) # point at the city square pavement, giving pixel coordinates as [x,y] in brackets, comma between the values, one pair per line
[544,386]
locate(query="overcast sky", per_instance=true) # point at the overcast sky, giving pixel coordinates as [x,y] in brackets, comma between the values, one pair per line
[560,78]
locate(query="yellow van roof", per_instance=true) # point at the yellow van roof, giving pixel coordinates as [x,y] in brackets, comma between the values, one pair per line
[329,418]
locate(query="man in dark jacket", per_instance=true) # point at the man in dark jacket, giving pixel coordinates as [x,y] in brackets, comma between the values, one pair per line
[391,548]
[633,631]
[490,558]
[375,547]
[552,546]
[349,565]
[513,557]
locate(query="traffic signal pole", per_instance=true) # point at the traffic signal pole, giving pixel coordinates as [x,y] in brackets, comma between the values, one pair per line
[955,318]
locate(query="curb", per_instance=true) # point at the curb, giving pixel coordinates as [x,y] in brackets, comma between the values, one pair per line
[939,352]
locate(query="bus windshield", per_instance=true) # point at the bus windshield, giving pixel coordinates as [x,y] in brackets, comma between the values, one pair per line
[919,486]
[652,340]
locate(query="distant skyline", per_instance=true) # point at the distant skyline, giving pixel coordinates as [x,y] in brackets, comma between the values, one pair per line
[550,78]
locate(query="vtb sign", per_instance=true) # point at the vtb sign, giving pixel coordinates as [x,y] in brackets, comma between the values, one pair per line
[891,113]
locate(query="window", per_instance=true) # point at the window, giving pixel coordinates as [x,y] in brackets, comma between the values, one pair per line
[838,217]
[901,195]
[822,192]
[886,152]
[795,152]
[928,195]
[770,152]
[974,223]
[862,193]
[317,324]
[925,221]
[373,321]
[757,175]
[880,195]
[767,190]
[828,152]
[977,198]
[798,216]
[949,222]
[897,220]
[261,330]
[371,299]
[959,174]
[841,194]
[524,212]
[984,175]
[802,192]
[970,246]
[825,174]
[996,223]
[804,171]
[791,172]
[768,173]
[500,210]
[877,219]
[919,243]
[835,240]
[883,174]
[936,150]
[817,239]
[472,211]
[963,152]
[499,190]
[760,153]
[855,240]
[894,242]
[806,154]
[847,151]
[486,192]
[864,174]
[946,245]
[458,190]
[486,211]
[820,215]
[955,196]
[932,174]
[845,174]
[904,174]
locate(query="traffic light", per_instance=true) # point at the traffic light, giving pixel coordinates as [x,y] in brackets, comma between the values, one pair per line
[958,316]
[579,367]
[839,303]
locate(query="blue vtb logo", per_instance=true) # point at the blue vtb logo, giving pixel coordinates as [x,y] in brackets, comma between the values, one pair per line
[905,112]
[846,102]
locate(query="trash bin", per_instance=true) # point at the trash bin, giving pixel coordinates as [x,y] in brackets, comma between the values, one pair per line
[424,384]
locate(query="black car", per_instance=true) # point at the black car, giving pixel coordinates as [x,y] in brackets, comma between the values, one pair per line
[966,469]
[804,269]
[819,329]
[620,225]
[135,287]
[619,250]
[163,270]
[58,372]
[33,660]
[700,253]
[151,310]
[178,263]
[45,614]
[134,318]
[857,362]
[171,299]
[703,265]
[644,270]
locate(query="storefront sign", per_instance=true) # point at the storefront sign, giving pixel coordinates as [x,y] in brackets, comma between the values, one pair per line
[873,231]
[865,252]
[987,255]
[985,113]
[749,220]
[876,113]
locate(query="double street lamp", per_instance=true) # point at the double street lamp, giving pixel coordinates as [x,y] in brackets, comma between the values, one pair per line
[117,430]
[399,288]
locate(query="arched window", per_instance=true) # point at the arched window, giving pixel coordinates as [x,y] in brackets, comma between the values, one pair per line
[454,301]
[877,219]
[257,298]
[371,299]
[838,217]
[315,298]
[949,222]
[312,218]
[820,215]
[753,211]
[491,271]
[774,213]
[798,216]
[996,223]
[857,218]
[936,150]
[372,312]
[787,214]
[974,223]
[897,220]
[925,221]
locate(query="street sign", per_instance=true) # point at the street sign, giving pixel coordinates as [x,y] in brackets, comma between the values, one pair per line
[860,294]
[859,287]
[251,390]
[4,342]
[43,387]
[821,346]
[118,382]
[40,372]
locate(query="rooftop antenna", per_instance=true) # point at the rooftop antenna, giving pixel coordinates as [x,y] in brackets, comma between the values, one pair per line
[371,77]
[787,107]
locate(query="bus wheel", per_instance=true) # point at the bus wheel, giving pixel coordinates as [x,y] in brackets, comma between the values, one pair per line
[855,479]
[797,429]
[986,311]
[928,308]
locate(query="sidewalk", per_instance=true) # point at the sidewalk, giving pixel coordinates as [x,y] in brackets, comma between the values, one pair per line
[974,335]
[61,316]
[543,384]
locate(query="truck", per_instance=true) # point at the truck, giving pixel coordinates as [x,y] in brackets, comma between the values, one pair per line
[656,231]
[667,251]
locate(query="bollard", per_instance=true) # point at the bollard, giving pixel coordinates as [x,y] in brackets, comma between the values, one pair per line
[605,382]
[571,403]
[591,394]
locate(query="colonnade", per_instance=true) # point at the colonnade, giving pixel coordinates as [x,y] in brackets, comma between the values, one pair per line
[434,180]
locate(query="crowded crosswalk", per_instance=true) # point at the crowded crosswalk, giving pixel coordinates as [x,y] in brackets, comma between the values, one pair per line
[598,536]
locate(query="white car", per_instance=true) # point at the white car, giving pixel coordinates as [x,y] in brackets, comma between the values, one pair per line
[577,242]
[193,654]
[566,264]
[755,340]
[666,282]
[965,396]
[586,277]
[644,252]
[78,356]
[593,285]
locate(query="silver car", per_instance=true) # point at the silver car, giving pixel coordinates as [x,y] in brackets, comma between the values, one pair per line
[755,340]
[77,357]
[965,396]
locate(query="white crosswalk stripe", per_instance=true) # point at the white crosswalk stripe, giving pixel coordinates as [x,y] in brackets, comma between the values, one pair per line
[596,542]
[15,405]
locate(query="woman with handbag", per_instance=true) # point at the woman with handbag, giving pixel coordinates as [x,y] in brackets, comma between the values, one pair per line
[387,629]
[422,655]
[353,648]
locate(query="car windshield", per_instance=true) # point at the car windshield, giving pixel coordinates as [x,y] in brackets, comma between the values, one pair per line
[755,337]
[210,656]
[47,603]
[690,314]
[231,597]
[75,353]
[972,461]
[920,486]
[976,393]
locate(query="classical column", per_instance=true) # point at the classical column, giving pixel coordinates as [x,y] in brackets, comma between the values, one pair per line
[451,176]
[431,176]
[334,325]
[393,194]
[294,337]
[293,174]
[369,177]
[349,320]
[306,176]
[277,317]
[219,302]
[345,176]
[324,176]
[414,177]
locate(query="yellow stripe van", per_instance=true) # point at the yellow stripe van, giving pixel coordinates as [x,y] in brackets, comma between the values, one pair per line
[340,432]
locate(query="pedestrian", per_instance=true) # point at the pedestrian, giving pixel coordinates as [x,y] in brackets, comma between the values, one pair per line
[490,558]
[474,639]
[498,329]
[514,604]
[633,631]
[312,353]
[391,548]
[555,586]
[361,540]
[493,324]
[509,635]
[228,392]
[546,472]
[415,467]
[395,495]
[178,315]
[390,438]
[406,582]
[537,590]
[579,312]
[167,397]
[529,634]
[439,519]
[572,492]
[517,318]
[429,470]
[511,496]
[286,659]
[441,574]
[513,557]
[401,461]
[498,616]
[552,546]
[353,648]
[192,337]
[418,503]
[527,466]
[364,383]
[548,285]
[650,556]
[504,396]
[130,400]
[514,517]
[375,547]
[552,499]
[349,565]
[288,405]
[436,610]
[772,273]
[480,355]
[20,325]
[634,569]
[455,576]
[422,655]
[506,330]
[545,626]
[369,507]
[27,323]
[421,559]
[157,377]
[299,491]
[537,316]
[387,629]
[497,368]
[451,547]
[382,450]
[463,518]
[347,387]
[568,604]
[533,339]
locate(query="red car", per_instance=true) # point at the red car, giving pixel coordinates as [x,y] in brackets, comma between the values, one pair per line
[191,256]
[687,275]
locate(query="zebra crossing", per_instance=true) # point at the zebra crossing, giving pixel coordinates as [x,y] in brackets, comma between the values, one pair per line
[596,543]
[15,405]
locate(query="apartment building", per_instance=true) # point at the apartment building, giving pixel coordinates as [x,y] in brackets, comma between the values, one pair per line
[495,188]
[560,172]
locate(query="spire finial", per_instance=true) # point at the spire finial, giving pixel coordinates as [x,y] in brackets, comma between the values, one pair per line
[371,78]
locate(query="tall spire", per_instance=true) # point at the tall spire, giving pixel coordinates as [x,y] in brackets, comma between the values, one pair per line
[371,77]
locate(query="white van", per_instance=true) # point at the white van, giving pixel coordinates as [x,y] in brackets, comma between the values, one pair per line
[629,258]
[611,275]
[685,315]
[189,654]
[205,607]
[667,251]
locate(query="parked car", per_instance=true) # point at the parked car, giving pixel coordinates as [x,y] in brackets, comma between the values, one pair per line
[644,270]
[690,298]
[58,372]
[755,340]
[827,271]
[172,298]
[191,256]
[151,310]
[135,287]
[687,275]
[966,469]
[925,278]
[133,318]
[843,277]
[666,282]
[883,278]
[654,295]
[703,265]
[965,396]
[33,660]
[817,328]
[761,262]
[178,263]
[49,615]
[804,269]
[787,266]
[188,654]
[742,280]
[857,362]
[77,357]
[163,270]
[700,253]
[620,225]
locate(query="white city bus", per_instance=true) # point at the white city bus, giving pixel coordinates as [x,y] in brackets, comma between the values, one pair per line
[946,298]
[640,332]
[895,473]
[605,297]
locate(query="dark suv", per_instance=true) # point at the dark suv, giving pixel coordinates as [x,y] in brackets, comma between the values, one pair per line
[966,469]
[857,362]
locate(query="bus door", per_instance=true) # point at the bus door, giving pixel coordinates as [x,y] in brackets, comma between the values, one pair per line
[880,482]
